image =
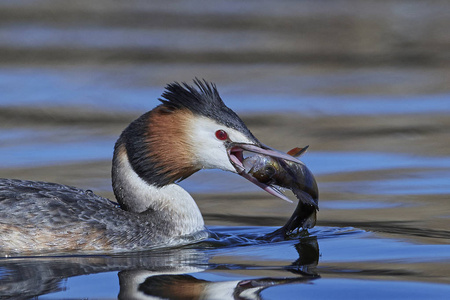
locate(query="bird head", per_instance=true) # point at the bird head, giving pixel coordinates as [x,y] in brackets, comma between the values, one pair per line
[192,129]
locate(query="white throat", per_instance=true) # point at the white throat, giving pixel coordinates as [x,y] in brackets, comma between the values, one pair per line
[170,202]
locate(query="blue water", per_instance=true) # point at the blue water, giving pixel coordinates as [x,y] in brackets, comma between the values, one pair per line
[87,88]
[366,88]
[50,151]
[334,261]
[362,289]
[303,265]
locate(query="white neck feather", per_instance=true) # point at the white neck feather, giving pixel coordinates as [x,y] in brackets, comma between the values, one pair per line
[171,201]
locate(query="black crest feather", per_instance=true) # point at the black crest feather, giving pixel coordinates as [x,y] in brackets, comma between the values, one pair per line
[203,100]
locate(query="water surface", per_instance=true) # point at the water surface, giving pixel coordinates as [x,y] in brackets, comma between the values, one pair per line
[373,104]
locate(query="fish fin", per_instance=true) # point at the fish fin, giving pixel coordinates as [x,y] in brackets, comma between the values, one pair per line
[310,221]
[297,151]
[305,198]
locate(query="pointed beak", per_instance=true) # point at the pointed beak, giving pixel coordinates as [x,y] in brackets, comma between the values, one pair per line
[235,152]
[236,156]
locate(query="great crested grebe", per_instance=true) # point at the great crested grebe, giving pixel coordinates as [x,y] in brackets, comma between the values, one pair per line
[191,130]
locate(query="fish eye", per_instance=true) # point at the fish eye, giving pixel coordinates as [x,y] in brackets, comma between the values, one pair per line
[270,171]
[221,135]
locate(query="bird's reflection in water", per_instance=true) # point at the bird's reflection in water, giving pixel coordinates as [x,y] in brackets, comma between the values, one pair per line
[164,274]
[137,284]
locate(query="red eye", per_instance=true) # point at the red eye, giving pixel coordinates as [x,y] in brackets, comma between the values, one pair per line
[221,135]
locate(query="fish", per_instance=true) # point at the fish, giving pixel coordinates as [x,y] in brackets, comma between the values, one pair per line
[295,176]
